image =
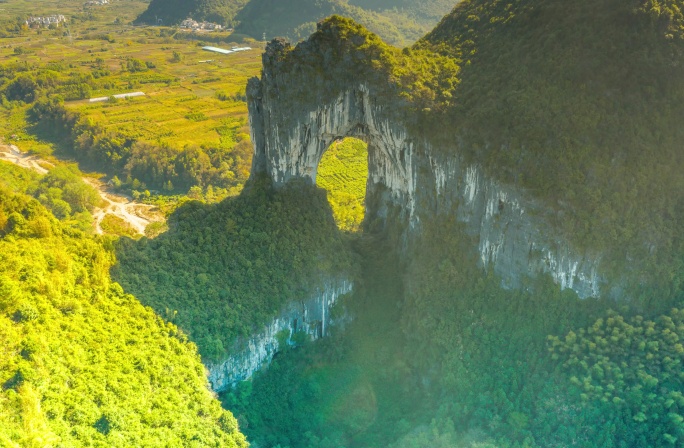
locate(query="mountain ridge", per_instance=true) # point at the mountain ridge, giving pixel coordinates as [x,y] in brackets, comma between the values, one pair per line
[172,12]
[296,19]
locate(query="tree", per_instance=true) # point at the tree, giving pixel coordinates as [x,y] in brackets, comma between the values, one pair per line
[135,65]
[23,88]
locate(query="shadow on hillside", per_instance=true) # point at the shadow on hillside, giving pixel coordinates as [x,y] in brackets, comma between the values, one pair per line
[223,269]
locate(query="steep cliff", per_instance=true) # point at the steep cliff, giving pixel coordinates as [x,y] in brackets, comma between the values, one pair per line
[536,138]
[409,171]
[555,147]
[310,319]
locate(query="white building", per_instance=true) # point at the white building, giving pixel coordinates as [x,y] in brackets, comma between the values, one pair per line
[45,20]
[189,24]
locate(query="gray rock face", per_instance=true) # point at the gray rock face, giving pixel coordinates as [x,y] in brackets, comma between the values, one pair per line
[421,178]
[294,121]
[311,317]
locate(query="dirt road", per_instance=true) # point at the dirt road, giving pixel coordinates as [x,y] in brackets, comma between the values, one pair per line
[137,215]
[12,154]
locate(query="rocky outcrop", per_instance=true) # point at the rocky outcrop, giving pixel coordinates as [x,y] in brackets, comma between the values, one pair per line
[514,238]
[310,318]
[421,176]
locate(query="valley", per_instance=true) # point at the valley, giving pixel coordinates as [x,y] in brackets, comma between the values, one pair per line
[449,225]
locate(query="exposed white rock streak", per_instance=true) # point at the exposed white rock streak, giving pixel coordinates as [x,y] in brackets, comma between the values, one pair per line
[296,152]
[311,317]
[513,236]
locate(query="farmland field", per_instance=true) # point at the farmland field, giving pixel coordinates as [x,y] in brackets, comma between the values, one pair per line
[103,17]
[192,98]
[343,172]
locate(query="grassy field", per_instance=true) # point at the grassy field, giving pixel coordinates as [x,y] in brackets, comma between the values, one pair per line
[181,105]
[113,225]
[343,172]
[192,97]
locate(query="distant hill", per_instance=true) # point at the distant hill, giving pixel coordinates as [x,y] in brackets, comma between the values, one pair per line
[431,9]
[398,23]
[172,12]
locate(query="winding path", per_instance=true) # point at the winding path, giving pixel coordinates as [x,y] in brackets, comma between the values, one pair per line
[136,214]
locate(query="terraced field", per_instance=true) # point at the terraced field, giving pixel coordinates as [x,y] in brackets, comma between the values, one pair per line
[343,172]
[193,98]
[181,106]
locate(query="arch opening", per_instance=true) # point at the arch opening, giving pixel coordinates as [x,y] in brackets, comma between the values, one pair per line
[343,173]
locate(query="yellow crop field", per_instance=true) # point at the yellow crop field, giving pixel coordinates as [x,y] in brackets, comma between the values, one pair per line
[192,97]
[343,172]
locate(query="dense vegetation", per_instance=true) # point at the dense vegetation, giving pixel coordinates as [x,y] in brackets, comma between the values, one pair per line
[341,51]
[141,164]
[172,12]
[253,254]
[578,104]
[343,173]
[83,363]
[632,367]
[64,192]
[452,360]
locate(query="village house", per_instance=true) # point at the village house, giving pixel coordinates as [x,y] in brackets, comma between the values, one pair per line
[45,21]
[96,2]
[189,24]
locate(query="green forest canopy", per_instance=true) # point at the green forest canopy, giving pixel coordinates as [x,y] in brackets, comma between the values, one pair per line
[252,255]
[83,363]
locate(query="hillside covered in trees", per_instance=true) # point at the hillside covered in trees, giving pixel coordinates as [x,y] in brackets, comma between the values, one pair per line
[254,254]
[83,363]
[172,12]
[396,22]
[296,19]
[444,357]
[577,105]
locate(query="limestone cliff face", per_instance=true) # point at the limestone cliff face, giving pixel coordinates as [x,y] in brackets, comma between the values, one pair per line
[311,317]
[295,115]
[419,175]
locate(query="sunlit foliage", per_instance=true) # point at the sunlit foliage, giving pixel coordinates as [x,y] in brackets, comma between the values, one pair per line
[83,363]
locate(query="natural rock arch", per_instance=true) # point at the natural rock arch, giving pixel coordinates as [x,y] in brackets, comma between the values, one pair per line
[286,152]
[294,119]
